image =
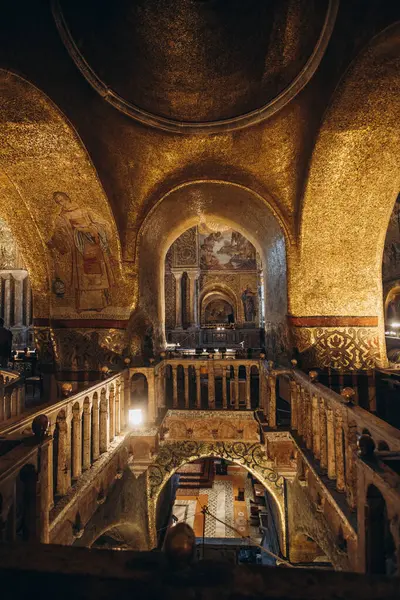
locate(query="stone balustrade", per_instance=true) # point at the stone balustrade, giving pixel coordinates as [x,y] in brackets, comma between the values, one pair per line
[199,383]
[12,395]
[329,426]
[82,428]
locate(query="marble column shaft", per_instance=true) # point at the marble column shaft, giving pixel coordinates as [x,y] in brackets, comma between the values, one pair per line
[236,372]
[224,394]
[331,443]
[95,430]
[272,401]
[178,300]
[64,458]
[104,424]
[87,431]
[111,403]
[340,481]
[211,384]
[198,388]
[315,425]
[186,374]
[248,388]
[323,434]
[174,386]
[77,443]
[293,405]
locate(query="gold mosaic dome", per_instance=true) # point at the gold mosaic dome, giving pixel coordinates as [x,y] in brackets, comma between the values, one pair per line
[196,61]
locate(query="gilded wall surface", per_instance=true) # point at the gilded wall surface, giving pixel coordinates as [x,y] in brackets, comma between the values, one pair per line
[296,151]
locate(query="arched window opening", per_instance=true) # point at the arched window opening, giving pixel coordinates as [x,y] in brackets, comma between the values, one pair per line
[139,394]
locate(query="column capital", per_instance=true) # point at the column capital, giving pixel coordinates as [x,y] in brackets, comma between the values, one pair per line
[177,273]
[193,274]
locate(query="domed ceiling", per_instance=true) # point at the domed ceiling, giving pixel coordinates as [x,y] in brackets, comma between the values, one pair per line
[194,61]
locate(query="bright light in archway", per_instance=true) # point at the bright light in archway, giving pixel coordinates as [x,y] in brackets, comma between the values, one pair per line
[135,417]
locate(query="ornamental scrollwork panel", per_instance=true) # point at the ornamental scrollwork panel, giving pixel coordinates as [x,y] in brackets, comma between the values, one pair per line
[347,348]
[252,456]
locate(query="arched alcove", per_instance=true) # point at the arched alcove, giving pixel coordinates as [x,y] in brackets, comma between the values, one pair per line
[212,205]
[252,457]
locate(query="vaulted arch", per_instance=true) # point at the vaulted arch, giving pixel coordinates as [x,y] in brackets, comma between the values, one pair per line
[41,154]
[353,182]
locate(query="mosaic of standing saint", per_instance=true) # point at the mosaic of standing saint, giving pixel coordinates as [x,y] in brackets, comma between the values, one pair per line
[84,236]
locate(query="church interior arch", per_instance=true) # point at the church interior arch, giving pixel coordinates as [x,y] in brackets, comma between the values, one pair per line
[217,204]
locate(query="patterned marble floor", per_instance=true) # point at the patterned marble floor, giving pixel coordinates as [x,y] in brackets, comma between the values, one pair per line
[222,503]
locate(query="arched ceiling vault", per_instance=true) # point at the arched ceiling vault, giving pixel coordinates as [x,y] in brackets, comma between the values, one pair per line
[41,153]
[215,202]
[353,182]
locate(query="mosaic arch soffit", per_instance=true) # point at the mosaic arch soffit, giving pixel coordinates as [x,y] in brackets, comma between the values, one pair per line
[251,456]
[358,147]
[59,159]
[167,124]
[270,206]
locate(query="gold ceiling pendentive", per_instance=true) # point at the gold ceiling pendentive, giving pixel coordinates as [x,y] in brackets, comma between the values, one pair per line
[185,127]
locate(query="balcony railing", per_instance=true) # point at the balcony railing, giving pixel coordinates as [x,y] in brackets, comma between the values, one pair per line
[12,395]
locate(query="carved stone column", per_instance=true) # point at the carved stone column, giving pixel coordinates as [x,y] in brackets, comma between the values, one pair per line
[152,408]
[64,457]
[7,301]
[236,387]
[19,277]
[198,388]
[351,470]
[323,434]
[331,443]
[28,302]
[50,472]
[111,404]
[118,408]
[248,389]
[174,386]
[95,429]
[87,435]
[193,320]
[103,423]
[77,443]
[315,425]
[224,394]
[211,384]
[272,401]
[340,482]
[14,402]
[178,299]
[309,421]
[186,373]
[45,492]
[300,410]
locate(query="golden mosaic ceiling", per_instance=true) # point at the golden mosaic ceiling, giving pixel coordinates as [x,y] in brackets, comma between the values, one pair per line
[195,61]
